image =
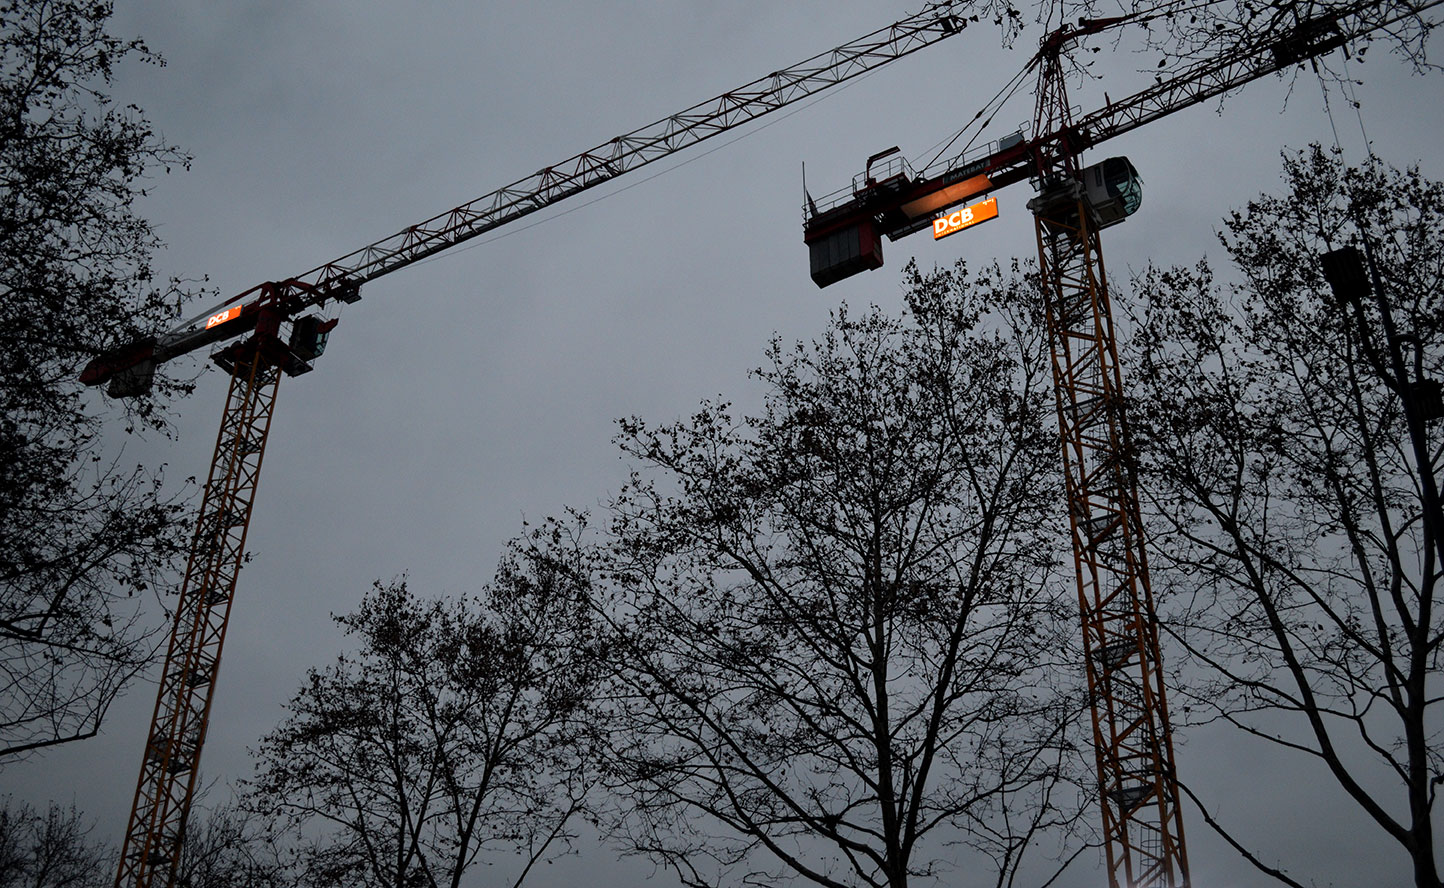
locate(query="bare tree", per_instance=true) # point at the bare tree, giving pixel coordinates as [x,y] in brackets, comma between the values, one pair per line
[80,533]
[230,847]
[848,654]
[1180,32]
[1292,449]
[224,848]
[456,734]
[49,850]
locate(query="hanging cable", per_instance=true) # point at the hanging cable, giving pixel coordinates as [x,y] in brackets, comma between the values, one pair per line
[1353,97]
[1329,111]
[1010,88]
[995,105]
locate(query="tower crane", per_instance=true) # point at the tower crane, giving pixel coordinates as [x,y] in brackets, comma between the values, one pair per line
[277,329]
[1132,737]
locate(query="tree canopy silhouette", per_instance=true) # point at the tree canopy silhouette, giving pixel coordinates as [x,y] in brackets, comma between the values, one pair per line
[1291,451]
[848,644]
[80,532]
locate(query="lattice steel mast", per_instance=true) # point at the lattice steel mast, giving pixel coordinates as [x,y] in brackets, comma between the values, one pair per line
[182,708]
[1132,737]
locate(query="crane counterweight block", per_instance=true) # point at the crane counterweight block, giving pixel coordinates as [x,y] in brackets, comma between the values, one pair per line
[845,251]
[115,364]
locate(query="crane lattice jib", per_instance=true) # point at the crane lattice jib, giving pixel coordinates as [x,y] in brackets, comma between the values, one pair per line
[342,278]
[640,147]
[1255,58]
[549,185]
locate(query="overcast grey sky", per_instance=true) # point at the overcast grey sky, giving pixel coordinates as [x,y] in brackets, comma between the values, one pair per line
[468,393]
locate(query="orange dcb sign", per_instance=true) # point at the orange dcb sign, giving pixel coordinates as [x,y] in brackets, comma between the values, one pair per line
[221,317]
[967,217]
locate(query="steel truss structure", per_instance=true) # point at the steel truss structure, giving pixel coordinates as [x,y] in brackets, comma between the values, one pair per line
[168,771]
[899,211]
[619,155]
[156,830]
[1132,737]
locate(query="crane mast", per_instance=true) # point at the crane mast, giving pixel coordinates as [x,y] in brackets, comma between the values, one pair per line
[170,764]
[1132,738]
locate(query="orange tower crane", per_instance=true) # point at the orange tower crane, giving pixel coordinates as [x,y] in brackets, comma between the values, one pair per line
[1132,737]
[257,362]
[278,329]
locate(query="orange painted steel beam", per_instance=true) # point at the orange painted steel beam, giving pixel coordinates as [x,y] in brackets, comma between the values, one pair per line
[1132,736]
[156,830]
